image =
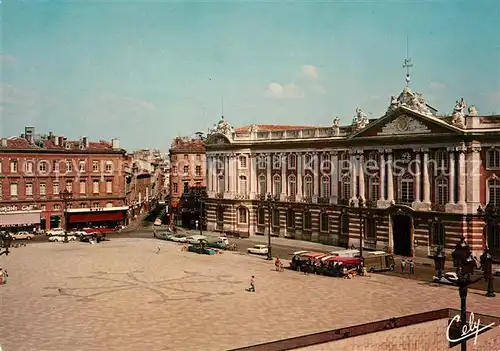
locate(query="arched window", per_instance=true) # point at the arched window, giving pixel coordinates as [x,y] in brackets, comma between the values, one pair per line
[374,188]
[242,215]
[290,218]
[373,161]
[261,216]
[494,192]
[441,158]
[442,191]
[346,187]
[292,161]
[493,159]
[221,184]
[345,163]
[292,185]
[325,161]
[324,222]
[307,220]
[407,188]
[243,185]
[325,186]
[262,184]
[437,234]
[308,161]
[308,186]
[277,185]
[344,224]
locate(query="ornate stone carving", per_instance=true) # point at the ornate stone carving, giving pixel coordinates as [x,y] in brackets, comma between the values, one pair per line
[222,128]
[253,128]
[411,100]
[458,116]
[360,120]
[336,126]
[472,111]
[404,125]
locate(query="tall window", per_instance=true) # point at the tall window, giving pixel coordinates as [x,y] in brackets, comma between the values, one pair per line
[292,161]
[493,159]
[262,184]
[442,190]
[277,185]
[290,218]
[307,220]
[82,166]
[13,189]
[242,215]
[69,166]
[261,162]
[243,185]
[83,187]
[370,229]
[174,170]
[441,160]
[109,186]
[186,170]
[276,218]
[95,166]
[344,224]
[198,157]
[220,215]
[55,188]
[198,171]
[346,187]
[493,235]
[437,232]
[29,189]
[324,222]
[292,185]
[308,161]
[13,166]
[407,191]
[29,167]
[95,187]
[276,161]
[69,186]
[221,184]
[494,192]
[42,166]
[243,162]
[308,186]
[175,188]
[261,216]
[345,163]
[109,167]
[325,186]
[374,189]
[43,189]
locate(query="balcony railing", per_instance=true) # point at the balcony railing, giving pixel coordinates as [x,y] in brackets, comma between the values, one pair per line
[438,208]
[291,198]
[406,202]
[219,195]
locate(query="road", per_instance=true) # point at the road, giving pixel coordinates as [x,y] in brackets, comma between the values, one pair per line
[422,273]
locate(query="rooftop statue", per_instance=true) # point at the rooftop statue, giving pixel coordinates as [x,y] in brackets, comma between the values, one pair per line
[472,111]
[458,116]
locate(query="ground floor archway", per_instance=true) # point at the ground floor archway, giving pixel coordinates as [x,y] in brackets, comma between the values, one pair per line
[402,234]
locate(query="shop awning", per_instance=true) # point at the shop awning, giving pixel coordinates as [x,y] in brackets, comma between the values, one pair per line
[96,217]
[19,219]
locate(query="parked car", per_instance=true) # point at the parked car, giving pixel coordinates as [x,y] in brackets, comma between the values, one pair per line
[195,239]
[55,231]
[165,235]
[179,238]
[78,233]
[60,238]
[22,235]
[258,250]
[447,278]
[96,236]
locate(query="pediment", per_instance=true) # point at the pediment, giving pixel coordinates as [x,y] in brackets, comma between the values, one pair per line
[404,122]
[217,139]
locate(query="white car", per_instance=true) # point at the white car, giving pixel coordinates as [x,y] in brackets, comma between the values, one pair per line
[78,233]
[497,272]
[258,250]
[55,231]
[60,238]
[179,238]
[447,278]
[22,235]
[195,239]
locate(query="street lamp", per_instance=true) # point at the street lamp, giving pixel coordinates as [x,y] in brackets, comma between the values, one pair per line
[65,196]
[268,202]
[6,241]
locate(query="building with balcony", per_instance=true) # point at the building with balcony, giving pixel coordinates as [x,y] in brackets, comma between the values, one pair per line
[187,167]
[408,181]
[35,169]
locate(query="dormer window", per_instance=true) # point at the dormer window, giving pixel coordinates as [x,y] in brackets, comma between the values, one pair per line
[493,159]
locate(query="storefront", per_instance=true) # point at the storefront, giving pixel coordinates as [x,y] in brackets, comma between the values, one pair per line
[107,217]
[19,218]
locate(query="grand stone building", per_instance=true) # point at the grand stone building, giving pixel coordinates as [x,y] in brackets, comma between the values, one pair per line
[406,182]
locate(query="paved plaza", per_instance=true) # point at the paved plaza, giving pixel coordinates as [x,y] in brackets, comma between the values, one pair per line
[121,295]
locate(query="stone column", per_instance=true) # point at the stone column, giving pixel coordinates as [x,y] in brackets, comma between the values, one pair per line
[361,171]
[451,181]
[425,174]
[300,171]
[283,176]
[334,167]
[390,178]
[315,170]
[354,179]
[417,176]
[208,174]
[461,177]
[269,166]
[473,196]
[382,177]
[235,173]
[226,173]
[253,176]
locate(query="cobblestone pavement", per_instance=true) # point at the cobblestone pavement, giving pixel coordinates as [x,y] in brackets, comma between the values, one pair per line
[121,295]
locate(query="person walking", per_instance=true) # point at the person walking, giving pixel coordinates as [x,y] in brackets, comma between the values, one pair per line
[403,265]
[412,267]
[252,284]
[154,233]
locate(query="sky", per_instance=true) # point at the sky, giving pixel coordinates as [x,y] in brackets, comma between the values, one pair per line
[147,71]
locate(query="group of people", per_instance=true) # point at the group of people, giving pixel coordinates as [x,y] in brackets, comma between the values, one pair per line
[407,262]
[4,275]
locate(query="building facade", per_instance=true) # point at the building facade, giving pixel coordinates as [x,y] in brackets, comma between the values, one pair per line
[407,182]
[34,170]
[187,166]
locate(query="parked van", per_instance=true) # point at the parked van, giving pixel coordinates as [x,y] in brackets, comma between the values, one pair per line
[346,253]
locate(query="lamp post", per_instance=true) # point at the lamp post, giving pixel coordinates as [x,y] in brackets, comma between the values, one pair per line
[201,199]
[268,202]
[6,241]
[362,221]
[491,216]
[65,196]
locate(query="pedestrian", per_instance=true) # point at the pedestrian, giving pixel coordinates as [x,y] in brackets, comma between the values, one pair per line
[412,267]
[252,284]
[159,248]
[403,265]
[154,232]
[3,276]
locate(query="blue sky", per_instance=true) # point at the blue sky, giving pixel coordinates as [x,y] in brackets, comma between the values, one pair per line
[148,71]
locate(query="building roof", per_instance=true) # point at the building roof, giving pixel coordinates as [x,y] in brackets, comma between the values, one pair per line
[42,143]
[186,144]
[271,127]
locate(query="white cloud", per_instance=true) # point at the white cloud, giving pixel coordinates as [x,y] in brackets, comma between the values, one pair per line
[310,72]
[288,91]
[437,85]
[8,61]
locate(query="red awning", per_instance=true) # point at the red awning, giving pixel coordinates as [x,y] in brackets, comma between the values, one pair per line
[96,217]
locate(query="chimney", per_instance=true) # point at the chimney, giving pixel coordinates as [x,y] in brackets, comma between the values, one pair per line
[56,140]
[50,135]
[4,142]
[115,143]
[85,142]
[29,133]
[61,141]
